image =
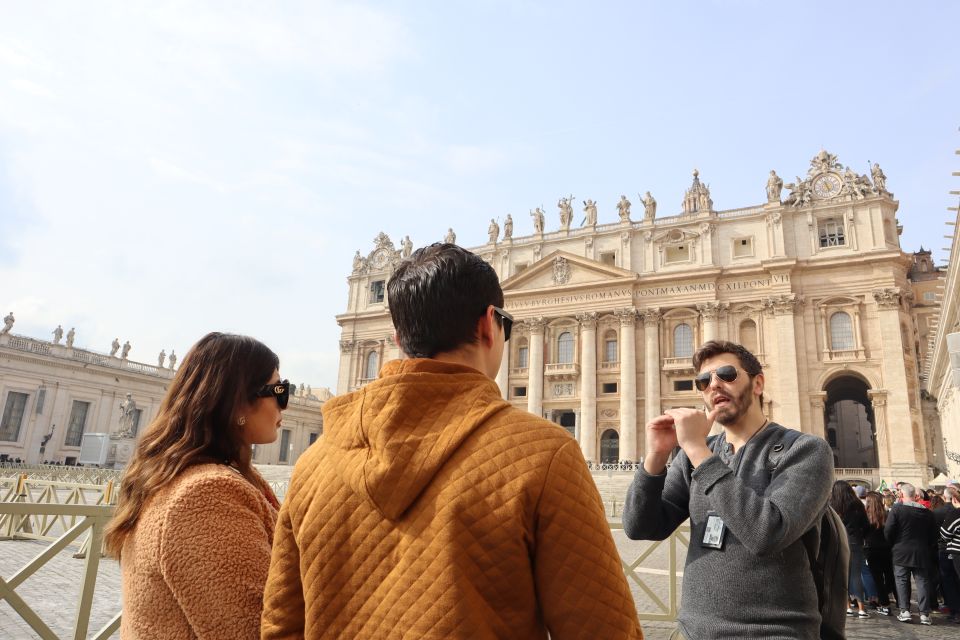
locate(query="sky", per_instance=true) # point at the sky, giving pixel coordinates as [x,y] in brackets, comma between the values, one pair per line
[169,170]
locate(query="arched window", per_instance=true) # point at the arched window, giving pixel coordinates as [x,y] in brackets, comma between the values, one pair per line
[682,341]
[565,348]
[610,447]
[610,347]
[371,371]
[841,331]
[748,336]
[523,355]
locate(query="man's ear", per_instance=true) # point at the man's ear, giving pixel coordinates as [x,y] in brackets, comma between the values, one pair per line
[758,381]
[486,327]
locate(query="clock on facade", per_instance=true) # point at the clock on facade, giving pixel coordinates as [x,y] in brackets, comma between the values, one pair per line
[380,259]
[827,185]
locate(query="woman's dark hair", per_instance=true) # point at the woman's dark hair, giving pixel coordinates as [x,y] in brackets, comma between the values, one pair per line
[876,511]
[713,348]
[436,297]
[217,379]
[843,499]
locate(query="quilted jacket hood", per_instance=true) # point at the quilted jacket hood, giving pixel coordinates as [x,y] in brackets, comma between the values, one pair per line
[388,440]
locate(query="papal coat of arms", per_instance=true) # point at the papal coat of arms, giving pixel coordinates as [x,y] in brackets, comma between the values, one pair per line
[561,270]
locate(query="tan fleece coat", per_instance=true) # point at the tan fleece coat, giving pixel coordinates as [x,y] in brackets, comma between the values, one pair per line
[196,563]
[431,508]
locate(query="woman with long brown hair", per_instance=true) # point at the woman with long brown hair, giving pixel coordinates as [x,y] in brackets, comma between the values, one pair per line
[845,502]
[194,522]
[876,550]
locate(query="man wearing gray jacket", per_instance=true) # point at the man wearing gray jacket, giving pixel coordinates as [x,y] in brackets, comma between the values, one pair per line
[750,494]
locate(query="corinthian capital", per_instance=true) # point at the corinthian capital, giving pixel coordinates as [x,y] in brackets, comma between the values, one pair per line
[651,316]
[712,310]
[587,320]
[627,316]
[346,346]
[887,298]
[784,304]
[535,325]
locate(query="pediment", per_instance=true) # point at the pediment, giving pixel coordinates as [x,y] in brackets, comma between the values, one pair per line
[563,269]
[675,236]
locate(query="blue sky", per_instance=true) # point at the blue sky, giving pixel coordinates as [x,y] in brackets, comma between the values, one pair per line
[202,166]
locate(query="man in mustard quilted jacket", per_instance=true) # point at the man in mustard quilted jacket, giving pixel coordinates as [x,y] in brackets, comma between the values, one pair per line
[432,508]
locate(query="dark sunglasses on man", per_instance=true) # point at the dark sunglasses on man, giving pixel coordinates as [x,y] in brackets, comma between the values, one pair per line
[507,321]
[279,390]
[727,373]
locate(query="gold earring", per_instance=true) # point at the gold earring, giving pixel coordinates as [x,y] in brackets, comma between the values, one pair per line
[242,421]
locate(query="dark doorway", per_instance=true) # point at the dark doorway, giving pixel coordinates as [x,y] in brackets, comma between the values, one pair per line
[610,447]
[850,425]
[567,420]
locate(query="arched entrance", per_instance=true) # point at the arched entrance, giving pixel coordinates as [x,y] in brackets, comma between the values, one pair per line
[610,447]
[850,425]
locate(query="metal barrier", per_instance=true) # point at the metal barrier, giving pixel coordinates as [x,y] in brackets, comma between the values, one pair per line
[59,473]
[87,518]
[666,611]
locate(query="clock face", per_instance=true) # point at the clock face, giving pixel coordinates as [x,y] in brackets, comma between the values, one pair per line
[380,258]
[827,186]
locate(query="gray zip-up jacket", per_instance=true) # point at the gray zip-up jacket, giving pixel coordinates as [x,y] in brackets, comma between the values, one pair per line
[759,584]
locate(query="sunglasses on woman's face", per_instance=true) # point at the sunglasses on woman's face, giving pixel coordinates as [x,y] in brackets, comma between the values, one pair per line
[279,390]
[727,373]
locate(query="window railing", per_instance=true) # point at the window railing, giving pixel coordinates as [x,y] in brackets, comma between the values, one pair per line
[677,363]
[611,365]
[518,371]
[562,368]
[835,355]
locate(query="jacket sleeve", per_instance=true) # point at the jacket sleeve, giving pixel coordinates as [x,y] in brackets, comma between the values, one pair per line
[579,578]
[796,496]
[657,505]
[214,556]
[283,608]
[891,529]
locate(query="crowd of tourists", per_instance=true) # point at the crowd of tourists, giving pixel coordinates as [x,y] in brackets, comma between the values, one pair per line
[433,508]
[898,535]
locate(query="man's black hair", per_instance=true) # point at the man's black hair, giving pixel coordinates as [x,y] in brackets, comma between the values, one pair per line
[436,297]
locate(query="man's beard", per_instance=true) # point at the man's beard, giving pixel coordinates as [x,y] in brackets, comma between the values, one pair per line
[736,408]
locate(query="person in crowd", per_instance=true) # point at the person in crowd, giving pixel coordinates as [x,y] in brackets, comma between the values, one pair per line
[194,521]
[888,501]
[950,536]
[869,587]
[876,551]
[845,502]
[431,507]
[746,519]
[912,533]
[923,498]
[949,580]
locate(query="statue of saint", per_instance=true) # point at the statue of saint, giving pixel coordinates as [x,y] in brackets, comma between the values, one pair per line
[649,207]
[537,220]
[623,207]
[126,350]
[161,358]
[173,359]
[309,392]
[8,321]
[70,336]
[57,334]
[566,212]
[357,261]
[590,208]
[493,231]
[303,389]
[704,200]
[407,247]
[774,187]
[451,237]
[128,410]
[508,227]
[114,347]
[879,180]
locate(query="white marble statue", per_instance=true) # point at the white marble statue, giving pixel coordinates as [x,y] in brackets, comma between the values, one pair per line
[8,321]
[173,359]
[58,334]
[537,215]
[879,179]
[303,390]
[649,206]
[623,208]
[70,336]
[357,261]
[493,231]
[774,187]
[451,237]
[566,212]
[406,247]
[128,411]
[161,358]
[508,227]
[590,209]
[114,347]
[126,350]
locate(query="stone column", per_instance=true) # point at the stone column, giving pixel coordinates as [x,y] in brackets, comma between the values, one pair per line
[787,387]
[628,384]
[535,367]
[588,385]
[503,373]
[818,402]
[902,440]
[711,312]
[347,356]
[878,398]
[651,365]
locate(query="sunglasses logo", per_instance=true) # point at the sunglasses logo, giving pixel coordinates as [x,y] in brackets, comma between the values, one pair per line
[278,389]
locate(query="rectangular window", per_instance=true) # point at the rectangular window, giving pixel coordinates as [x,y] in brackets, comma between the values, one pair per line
[523,357]
[376,291]
[13,416]
[609,258]
[610,351]
[677,253]
[831,233]
[41,398]
[519,392]
[284,445]
[929,296]
[609,387]
[519,268]
[78,421]
[742,247]
[683,385]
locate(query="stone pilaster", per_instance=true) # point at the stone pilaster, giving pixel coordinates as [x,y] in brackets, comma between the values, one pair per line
[878,398]
[628,384]
[348,354]
[787,388]
[536,366]
[711,312]
[902,439]
[818,402]
[588,385]
[651,373]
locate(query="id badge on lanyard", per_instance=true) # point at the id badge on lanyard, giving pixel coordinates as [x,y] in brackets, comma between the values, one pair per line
[714,532]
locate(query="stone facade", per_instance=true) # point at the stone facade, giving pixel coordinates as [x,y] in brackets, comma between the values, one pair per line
[50,395]
[608,315]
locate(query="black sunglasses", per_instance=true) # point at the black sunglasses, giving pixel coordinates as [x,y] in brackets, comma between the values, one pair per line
[727,373]
[279,390]
[507,322]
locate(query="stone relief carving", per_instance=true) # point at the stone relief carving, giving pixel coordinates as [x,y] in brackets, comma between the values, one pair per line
[827,179]
[561,270]
[609,413]
[563,389]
